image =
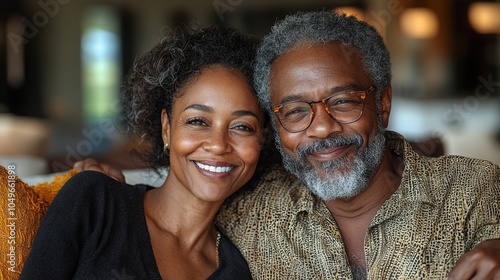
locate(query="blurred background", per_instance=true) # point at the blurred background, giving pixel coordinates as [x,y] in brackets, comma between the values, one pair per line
[62,63]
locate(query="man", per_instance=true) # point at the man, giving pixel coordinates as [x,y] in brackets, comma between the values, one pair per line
[366,205]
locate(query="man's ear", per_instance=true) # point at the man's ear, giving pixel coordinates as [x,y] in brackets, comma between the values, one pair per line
[385,105]
[165,127]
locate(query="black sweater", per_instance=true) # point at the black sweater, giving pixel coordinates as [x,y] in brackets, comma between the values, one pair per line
[96,229]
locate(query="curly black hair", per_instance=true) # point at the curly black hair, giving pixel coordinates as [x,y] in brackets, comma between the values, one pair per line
[318,28]
[159,75]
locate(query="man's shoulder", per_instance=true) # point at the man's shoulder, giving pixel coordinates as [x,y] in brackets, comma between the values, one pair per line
[276,183]
[446,166]
[462,166]
[459,177]
[275,188]
[471,173]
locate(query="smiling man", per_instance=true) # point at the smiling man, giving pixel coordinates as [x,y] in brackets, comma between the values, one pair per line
[366,205]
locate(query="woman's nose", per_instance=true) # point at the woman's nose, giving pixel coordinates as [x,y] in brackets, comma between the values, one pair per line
[217,142]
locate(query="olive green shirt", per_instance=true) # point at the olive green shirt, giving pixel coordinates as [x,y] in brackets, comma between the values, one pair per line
[443,208]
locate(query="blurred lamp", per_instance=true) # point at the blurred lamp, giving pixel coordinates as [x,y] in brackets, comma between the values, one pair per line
[485,17]
[419,23]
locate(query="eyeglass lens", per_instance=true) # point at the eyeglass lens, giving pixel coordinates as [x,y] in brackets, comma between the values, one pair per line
[345,107]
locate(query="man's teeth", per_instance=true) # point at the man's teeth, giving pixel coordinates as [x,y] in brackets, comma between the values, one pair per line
[218,169]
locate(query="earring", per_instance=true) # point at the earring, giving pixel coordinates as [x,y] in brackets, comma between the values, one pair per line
[166,151]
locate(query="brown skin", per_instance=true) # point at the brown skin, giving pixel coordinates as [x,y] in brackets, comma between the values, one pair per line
[483,262]
[313,73]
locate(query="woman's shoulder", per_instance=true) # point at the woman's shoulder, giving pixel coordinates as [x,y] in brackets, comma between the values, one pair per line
[90,176]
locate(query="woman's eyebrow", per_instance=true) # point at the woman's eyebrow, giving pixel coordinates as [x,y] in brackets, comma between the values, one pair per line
[208,109]
[200,107]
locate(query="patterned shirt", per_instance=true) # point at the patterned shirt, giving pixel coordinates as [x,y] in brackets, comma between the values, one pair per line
[443,208]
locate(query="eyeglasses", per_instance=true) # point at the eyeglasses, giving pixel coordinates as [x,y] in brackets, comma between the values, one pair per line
[344,107]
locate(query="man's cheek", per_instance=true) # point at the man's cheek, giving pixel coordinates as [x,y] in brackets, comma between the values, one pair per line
[288,142]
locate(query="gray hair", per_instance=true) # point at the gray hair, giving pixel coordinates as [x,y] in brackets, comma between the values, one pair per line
[319,28]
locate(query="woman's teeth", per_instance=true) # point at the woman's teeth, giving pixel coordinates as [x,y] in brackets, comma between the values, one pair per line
[218,169]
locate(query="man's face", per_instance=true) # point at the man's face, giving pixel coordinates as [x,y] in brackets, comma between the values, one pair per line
[335,160]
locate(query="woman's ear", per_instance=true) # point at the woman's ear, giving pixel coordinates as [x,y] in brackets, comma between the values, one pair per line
[165,127]
[385,108]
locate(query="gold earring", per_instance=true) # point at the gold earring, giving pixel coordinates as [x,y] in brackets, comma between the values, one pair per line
[166,150]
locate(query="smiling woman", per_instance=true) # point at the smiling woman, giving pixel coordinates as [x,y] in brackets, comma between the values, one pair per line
[214,134]
[190,99]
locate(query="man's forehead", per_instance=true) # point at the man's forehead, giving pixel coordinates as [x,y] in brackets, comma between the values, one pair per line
[315,68]
[328,49]
[307,61]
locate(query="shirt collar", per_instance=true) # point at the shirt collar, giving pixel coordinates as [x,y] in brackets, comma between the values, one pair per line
[302,198]
[415,182]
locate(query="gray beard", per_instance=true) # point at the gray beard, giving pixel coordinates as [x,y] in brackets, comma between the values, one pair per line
[339,178]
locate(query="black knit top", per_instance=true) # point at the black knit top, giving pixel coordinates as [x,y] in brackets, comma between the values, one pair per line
[96,229]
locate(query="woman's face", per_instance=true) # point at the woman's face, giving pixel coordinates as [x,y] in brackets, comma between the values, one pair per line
[214,134]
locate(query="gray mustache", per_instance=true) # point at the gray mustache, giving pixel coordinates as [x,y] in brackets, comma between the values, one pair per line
[327,143]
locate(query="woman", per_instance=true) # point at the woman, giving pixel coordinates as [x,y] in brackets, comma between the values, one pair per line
[191,100]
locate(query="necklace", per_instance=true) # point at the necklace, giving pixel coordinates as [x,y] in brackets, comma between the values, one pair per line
[217,248]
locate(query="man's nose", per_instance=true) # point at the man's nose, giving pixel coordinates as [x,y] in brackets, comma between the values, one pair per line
[323,124]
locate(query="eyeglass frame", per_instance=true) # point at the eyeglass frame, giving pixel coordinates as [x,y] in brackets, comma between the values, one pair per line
[277,108]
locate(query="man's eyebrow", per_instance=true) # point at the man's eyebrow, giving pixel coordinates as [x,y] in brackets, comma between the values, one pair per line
[348,87]
[333,90]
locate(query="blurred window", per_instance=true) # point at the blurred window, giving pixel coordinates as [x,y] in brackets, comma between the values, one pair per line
[101,54]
